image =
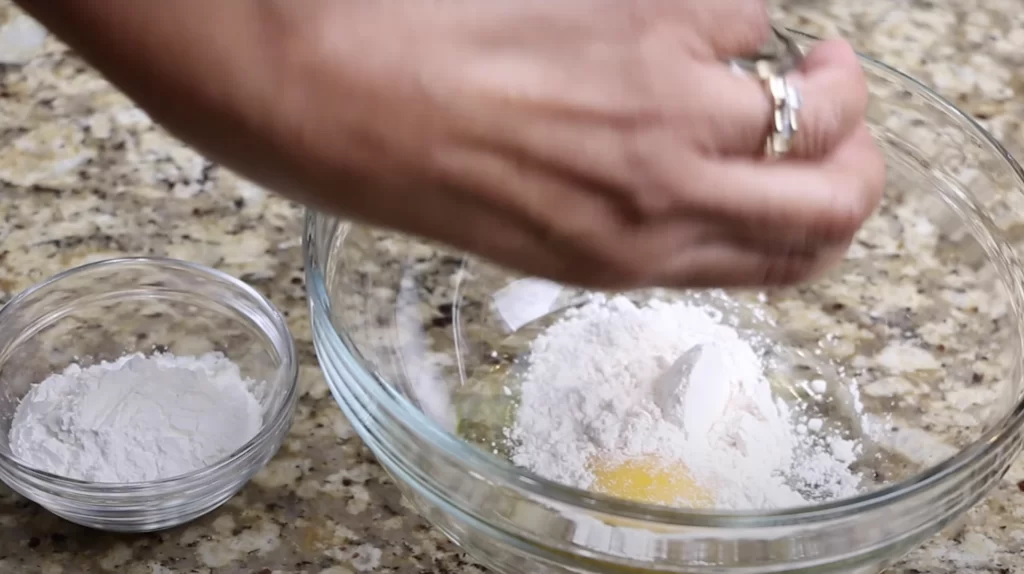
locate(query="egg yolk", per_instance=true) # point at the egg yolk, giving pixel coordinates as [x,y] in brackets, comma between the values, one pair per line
[651,481]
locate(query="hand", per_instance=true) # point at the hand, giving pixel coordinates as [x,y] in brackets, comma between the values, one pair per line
[602,143]
[598,142]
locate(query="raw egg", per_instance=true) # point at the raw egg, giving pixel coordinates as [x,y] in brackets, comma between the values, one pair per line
[650,481]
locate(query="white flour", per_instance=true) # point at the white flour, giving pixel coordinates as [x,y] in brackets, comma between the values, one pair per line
[136,419]
[601,385]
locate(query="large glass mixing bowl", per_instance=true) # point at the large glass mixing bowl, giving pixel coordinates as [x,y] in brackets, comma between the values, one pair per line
[917,333]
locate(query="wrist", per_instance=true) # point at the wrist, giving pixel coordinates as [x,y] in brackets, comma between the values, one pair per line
[350,112]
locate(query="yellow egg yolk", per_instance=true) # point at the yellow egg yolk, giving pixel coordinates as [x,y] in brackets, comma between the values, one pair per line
[651,481]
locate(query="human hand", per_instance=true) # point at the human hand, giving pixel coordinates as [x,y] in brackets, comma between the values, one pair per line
[599,142]
[602,143]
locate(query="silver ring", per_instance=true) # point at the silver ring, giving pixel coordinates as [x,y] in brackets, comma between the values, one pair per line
[785,100]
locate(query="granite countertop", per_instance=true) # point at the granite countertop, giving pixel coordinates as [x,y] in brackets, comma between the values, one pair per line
[85,176]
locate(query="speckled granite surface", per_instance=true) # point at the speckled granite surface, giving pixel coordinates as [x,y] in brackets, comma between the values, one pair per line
[84,176]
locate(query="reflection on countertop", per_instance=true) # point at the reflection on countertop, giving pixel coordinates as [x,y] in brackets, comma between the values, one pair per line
[86,176]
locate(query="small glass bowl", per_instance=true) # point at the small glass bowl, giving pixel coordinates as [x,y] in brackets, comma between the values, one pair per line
[101,311]
[921,324]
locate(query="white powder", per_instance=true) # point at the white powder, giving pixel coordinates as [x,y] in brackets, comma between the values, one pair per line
[136,419]
[604,384]
[818,386]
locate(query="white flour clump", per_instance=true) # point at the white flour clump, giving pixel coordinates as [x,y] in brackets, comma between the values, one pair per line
[136,419]
[604,384]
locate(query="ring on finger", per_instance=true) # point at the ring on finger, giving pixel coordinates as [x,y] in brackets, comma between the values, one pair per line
[785,103]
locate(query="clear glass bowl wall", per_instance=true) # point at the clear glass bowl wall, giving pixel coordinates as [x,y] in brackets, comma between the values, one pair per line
[100,311]
[933,280]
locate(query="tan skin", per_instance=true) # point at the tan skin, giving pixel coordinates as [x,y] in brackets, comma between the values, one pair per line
[598,142]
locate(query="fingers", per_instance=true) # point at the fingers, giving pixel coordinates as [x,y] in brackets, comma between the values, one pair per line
[728,28]
[792,204]
[833,94]
[730,265]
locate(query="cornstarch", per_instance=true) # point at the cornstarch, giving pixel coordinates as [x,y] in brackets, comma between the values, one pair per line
[603,385]
[138,418]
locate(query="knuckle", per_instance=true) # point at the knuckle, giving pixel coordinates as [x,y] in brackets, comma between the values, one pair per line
[835,97]
[827,118]
[755,15]
[820,131]
[853,205]
[748,29]
[623,267]
[750,17]
[604,260]
[752,21]
[855,191]
[627,271]
[654,162]
[846,221]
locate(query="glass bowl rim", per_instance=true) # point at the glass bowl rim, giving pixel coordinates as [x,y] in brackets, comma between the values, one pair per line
[401,411]
[283,343]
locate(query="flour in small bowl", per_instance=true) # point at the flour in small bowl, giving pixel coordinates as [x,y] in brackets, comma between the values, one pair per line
[603,389]
[136,419]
